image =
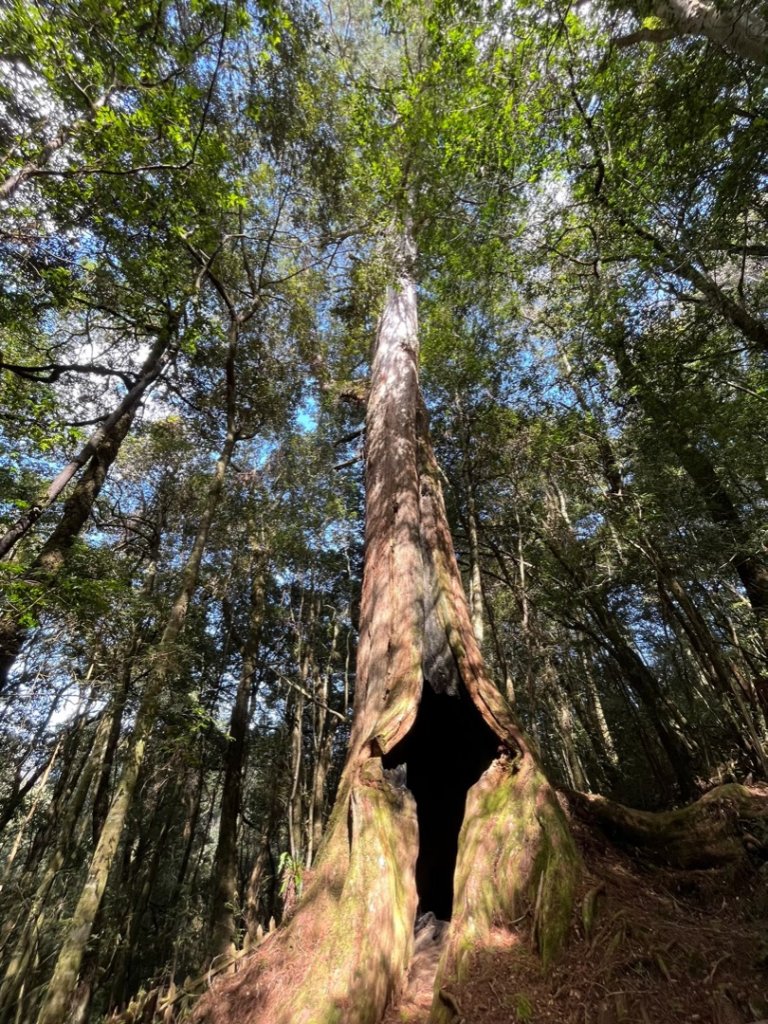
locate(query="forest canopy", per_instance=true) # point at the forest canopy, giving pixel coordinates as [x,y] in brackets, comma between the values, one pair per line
[383,454]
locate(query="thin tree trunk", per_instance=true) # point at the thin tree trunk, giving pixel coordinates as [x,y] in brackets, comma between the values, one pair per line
[476,602]
[64,979]
[21,786]
[224,920]
[611,635]
[715,665]
[587,719]
[101,794]
[253,890]
[41,779]
[193,798]
[296,762]
[142,887]
[19,962]
[323,729]
[597,716]
[103,445]
[502,665]
[62,984]
[76,756]
[571,758]
[649,743]
[750,567]
[714,662]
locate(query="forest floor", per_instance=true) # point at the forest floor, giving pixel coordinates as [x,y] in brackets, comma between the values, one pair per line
[652,945]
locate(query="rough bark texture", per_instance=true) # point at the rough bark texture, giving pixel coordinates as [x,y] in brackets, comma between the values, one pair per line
[343,956]
[517,869]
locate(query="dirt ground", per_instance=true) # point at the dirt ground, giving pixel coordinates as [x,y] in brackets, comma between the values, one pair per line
[651,946]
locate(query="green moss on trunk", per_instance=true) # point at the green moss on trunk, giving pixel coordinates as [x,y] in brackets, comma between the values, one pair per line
[342,958]
[517,870]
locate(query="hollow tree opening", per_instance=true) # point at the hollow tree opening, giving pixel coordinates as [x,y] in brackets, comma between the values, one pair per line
[445,752]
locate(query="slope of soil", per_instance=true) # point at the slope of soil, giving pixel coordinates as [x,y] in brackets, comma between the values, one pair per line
[650,945]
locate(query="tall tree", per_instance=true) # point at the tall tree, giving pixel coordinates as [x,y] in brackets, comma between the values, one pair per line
[416,637]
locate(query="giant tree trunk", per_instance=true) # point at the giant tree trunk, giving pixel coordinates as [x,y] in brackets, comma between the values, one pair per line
[431,731]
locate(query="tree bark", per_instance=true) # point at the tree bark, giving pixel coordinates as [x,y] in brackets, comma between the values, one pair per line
[721,827]
[739,30]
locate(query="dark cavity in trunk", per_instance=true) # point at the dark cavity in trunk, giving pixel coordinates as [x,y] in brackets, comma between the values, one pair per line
[446,752]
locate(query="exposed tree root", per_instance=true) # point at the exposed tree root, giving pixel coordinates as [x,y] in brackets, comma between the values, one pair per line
[725,825]
[649,944]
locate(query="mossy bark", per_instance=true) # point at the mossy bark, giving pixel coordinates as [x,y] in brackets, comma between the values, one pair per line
[342,958]
[517,871]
